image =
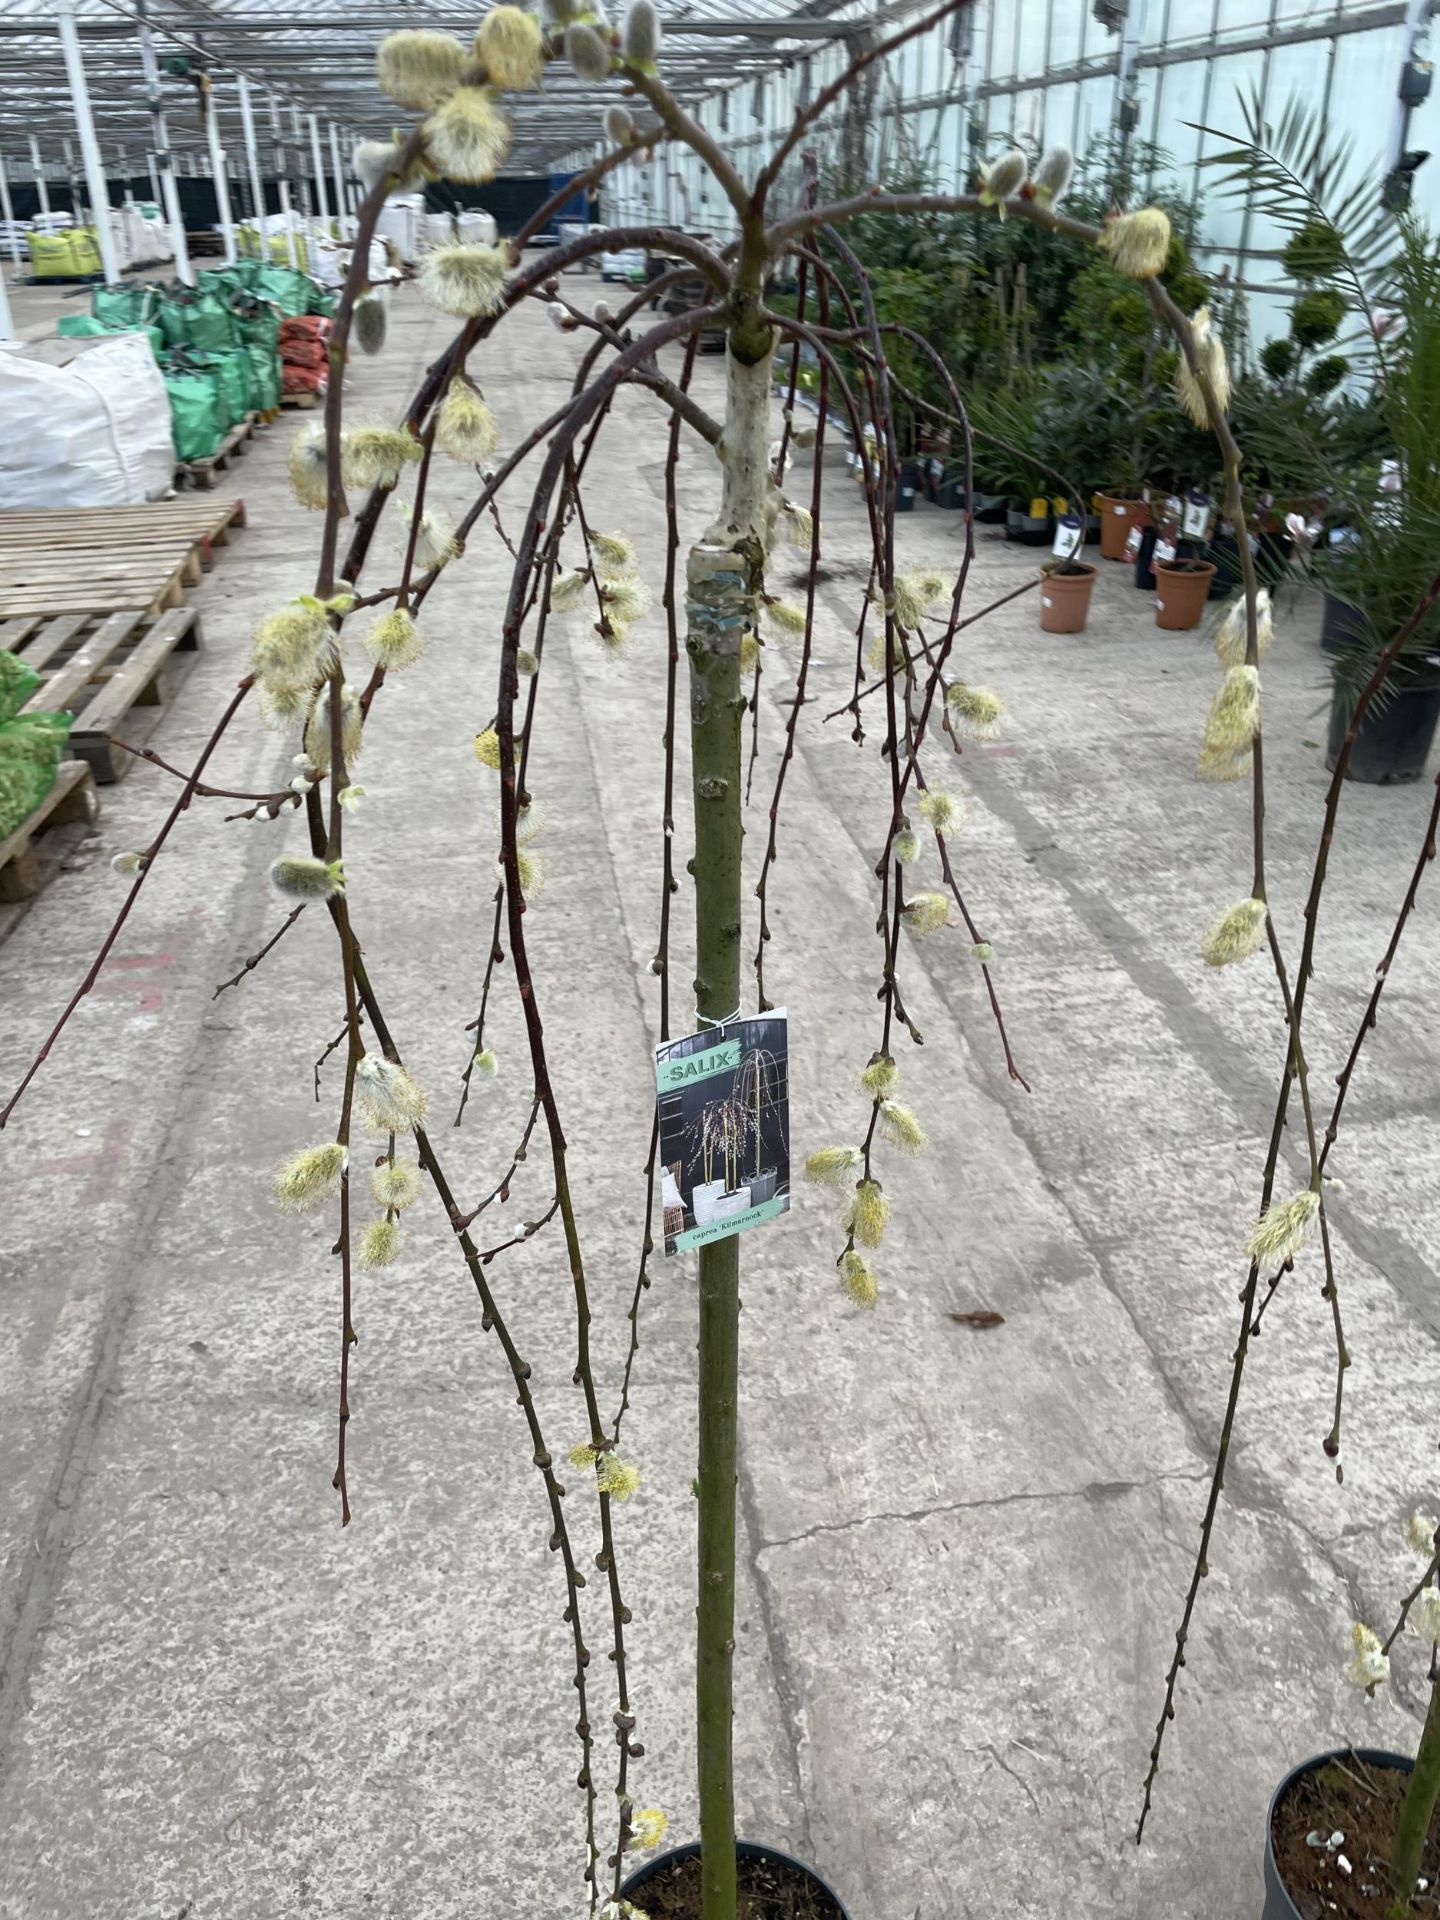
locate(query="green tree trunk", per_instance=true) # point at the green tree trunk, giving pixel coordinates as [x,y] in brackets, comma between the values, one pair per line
[724,575]
[1416,1814]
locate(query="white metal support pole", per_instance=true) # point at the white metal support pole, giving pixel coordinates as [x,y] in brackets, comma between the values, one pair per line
[9,213]
[281,170]
[7,325]
[96,188]
[322,198]
[155,194]
[252,162]
[337,173]
[42,186]
[219,175]
[164,164]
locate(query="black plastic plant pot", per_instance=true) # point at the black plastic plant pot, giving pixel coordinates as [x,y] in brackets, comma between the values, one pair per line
[1224,553]
[908,487]
[1278,1904]
[1396,734]
[1144,560]
[1028,529]
[1342,627]
[635,1885]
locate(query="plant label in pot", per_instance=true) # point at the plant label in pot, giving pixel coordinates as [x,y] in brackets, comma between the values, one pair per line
[1069,537]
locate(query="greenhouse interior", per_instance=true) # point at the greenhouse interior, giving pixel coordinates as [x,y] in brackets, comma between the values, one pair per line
[537,548]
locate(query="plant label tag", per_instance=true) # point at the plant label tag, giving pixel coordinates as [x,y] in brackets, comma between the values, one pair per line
[1199,511]
[1132,543]
[723,1104]
[1164,552]
[1069,537]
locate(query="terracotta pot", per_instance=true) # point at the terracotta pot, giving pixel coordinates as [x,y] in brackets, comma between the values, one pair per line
[1116,519]
[1181,589]
[1065,598]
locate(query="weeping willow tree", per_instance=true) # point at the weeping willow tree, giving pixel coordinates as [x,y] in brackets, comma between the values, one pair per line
[321,663]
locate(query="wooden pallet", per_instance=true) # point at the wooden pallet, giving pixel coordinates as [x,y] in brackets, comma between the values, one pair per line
[101,672]
[203,473]
[106,559]
[72,798]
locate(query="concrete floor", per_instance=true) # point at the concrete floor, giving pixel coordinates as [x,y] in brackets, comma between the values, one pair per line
[962,1553]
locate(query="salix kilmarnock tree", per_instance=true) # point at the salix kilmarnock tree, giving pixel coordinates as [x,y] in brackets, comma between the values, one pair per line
[722,613]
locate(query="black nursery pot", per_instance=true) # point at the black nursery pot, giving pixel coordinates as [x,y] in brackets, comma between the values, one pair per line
[744,1850]
[1278,1904]
[1395,735]
[1224,553]
[1029,531]
[1342,628]
[908,487]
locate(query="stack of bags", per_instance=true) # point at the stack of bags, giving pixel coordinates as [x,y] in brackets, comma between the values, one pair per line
[304,353]
[30,745]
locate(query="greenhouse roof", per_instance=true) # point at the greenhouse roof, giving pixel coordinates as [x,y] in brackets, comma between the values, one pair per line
[317,56]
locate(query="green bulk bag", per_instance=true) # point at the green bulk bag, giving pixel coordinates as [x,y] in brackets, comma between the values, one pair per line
[236,373]
[196,318]
[322,300]
[256,323]
[265,372]
[194,413]
[232,382]
[284,289]
[72,326]
[124,306]
[30,745]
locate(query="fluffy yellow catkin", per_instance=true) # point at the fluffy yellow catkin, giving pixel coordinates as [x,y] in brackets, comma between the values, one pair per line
[833,1166]
[376,456]
[309,1177]
[303,877]
[317,728]
[292,647]
[619,1478]
[926,912]
[418,68]
[900,1127]
[647,1828]
[465,428]
[879,1077]
[380,1243]
[857,1279]
[388,1098]
[466,138]
[1234,717]
[975,712]
[306,465]
[1003,179]
[394,642]
[1210,353]
[467,282]
[866,1214]
[1232,633]
[1283,1229]
[915,596]
[942,812]
[1138,243]
[511,46]
[1236,934]
[614,553]
[395,1184]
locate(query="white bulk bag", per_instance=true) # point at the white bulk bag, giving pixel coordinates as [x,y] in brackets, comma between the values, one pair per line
[477,228]
[94,433]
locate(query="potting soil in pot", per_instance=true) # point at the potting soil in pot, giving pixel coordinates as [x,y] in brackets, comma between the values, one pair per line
[1360,1802]
[767,1891]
